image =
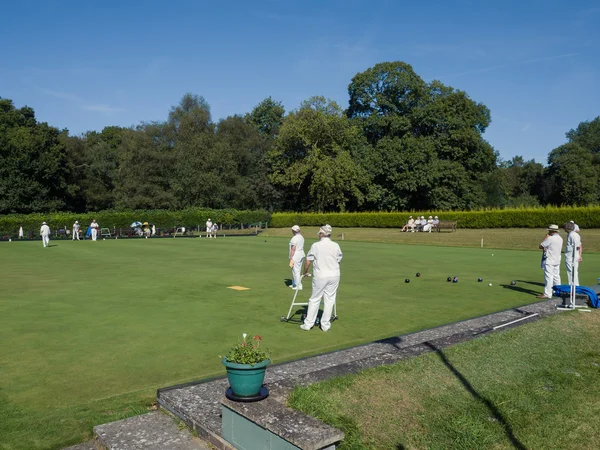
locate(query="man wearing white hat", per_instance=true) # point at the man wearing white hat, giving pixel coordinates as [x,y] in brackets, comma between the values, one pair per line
[209,225]
[296,255]
[76,230]
[428,225]
[94,229]
[45,233]
[325,256]
[551,246]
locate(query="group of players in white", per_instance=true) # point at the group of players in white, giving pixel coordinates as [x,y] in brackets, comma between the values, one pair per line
[211,231]
[325,256]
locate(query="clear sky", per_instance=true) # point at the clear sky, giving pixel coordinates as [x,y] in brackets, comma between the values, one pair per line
[87,64]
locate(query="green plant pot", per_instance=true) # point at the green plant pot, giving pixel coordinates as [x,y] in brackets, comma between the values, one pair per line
[246,380]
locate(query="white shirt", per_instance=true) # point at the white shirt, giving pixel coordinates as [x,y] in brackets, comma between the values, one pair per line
[573,246]
[45,230]
[76,227]
[94,225]
[208,225]
[326,256]
[298,241]
[553,246]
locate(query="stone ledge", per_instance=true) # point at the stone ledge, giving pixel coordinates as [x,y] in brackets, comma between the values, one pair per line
[199,403]
[303,431]
[151,431]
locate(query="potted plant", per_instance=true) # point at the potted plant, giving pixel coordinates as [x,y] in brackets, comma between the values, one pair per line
[246,364]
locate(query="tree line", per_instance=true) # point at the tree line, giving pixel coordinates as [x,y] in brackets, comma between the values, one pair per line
[401,144]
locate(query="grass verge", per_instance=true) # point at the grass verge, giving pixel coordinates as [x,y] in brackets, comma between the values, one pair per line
[535,386]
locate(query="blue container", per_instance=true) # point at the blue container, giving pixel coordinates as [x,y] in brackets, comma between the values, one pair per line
[246,380]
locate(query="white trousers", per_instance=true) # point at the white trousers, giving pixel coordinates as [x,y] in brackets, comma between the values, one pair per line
[94,234]
[551,278]
[75,235]
[45,240]
[296,271]
[325,288]
[572,271]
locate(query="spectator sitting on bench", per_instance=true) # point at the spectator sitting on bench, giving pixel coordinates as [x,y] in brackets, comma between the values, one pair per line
[436,222]
[410,224]
[421,223]
[428,225]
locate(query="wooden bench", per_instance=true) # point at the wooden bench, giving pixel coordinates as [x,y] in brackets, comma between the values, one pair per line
[445,225]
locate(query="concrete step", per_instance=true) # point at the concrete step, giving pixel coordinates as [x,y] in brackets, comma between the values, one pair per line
[152,431]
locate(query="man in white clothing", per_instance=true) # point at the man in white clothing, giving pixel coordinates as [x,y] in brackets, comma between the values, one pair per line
[209,225]
[76,230]
[21,234]
[45,233]
[552,246]
[215,229]
[296,255]
[573,253]
[325,256]
[428,225]
[94,227]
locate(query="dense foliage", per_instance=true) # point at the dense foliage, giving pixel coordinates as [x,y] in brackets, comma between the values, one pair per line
[530,217]
[402,144]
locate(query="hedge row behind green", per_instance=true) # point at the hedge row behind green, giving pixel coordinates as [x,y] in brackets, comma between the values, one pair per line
[584,216]
[192,217]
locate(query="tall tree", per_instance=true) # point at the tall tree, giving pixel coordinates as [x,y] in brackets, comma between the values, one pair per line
[315,159]
[34,175]
[427,145]
[267,116]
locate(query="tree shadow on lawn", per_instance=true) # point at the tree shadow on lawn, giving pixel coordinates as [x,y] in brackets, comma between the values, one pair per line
[489,404]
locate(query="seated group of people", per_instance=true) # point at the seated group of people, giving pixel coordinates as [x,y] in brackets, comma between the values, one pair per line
[420,224]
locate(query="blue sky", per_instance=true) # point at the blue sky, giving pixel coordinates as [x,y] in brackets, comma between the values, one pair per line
[84,65]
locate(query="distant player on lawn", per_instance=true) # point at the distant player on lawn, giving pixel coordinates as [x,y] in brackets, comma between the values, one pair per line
[209,225]
[45,233]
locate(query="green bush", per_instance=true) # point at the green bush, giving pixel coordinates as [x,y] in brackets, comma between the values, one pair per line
[191,217]
[585,216]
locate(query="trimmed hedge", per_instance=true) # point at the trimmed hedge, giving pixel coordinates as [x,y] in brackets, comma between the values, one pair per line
[584,216]
[191,217]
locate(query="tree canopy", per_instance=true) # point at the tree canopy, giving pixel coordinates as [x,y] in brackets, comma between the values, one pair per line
[401,144]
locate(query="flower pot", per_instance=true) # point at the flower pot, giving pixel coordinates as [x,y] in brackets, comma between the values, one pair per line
[245,379]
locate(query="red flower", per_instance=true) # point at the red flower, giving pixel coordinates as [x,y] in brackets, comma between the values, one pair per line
[257,338]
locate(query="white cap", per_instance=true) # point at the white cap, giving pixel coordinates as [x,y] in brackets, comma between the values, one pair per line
[296,228]
[43,223]
[553,228]
[430,217]
[76,222]
[435,217]
[326,230]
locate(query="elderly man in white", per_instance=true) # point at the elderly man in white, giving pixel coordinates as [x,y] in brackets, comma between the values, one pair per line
[76,230]
[94,229]
[209,225]
[296,255]
[573,253]
[552,246]
[326,256]
[45,233]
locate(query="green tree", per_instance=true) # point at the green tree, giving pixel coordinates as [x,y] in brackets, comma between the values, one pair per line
[267,116]
[574,177]
[427,145]
[34,174]
[315,159]
[145,167]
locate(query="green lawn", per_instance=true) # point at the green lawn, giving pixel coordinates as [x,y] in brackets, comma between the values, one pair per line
[533,387]
[89,330]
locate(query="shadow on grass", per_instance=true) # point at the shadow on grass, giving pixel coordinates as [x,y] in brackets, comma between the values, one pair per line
[489,404]
[523,290]
[535,283]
